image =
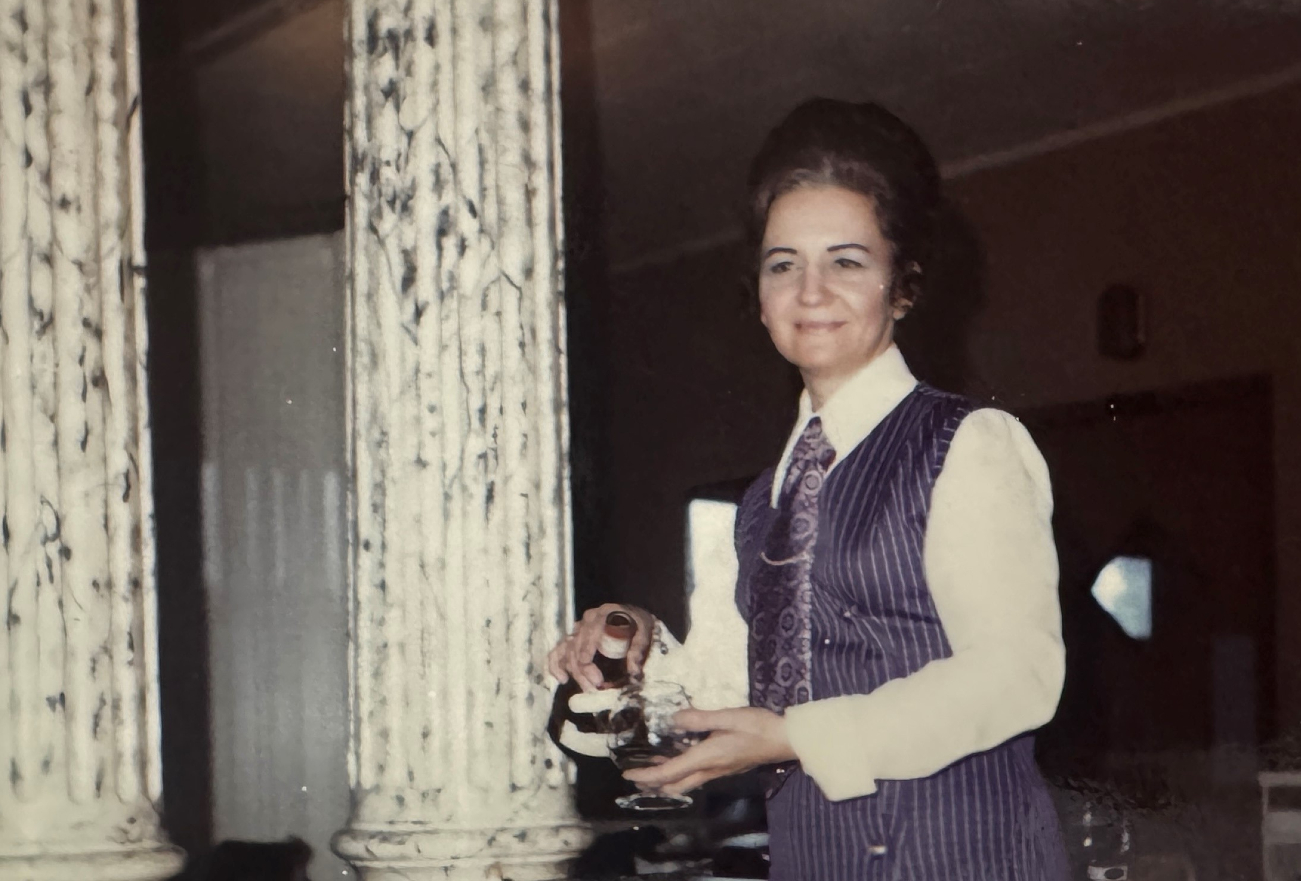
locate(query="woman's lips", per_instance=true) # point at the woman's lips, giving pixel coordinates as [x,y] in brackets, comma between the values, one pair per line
[817,326]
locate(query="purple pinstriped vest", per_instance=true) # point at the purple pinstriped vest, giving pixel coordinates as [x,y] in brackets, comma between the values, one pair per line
[987,817]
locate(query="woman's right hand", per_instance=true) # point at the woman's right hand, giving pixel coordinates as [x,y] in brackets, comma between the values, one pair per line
[573,656]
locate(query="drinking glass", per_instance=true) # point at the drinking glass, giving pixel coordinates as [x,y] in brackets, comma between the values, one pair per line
[642,734]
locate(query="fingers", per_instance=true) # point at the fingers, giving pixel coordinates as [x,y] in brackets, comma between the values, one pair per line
[573,656]
[587,634]
[556,665]
[562,663]
[587,639]
[695,720]
[589,678]
[706,756]
[583,644]
[710,720]
[641,640]
[664,773]
[638,649]
[684,773]
[740,739]
[687,784]
[580,648]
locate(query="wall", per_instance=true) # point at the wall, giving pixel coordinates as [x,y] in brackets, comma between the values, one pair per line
[270,131]
[697,396]
[1200,212]
[1203,215]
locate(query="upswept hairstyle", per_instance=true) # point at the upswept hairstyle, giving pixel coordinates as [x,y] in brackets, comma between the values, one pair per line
[866,149]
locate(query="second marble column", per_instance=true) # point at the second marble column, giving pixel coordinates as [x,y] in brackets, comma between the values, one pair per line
[460,566]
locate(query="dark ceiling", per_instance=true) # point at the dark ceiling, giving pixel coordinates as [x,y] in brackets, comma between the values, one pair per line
[244,98]
[174,27]
[243,118]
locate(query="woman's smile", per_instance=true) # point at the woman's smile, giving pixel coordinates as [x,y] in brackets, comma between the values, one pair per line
[818,327]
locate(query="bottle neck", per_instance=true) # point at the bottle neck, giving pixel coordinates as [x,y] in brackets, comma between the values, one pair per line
[612,652]
[619,630]
[614,647]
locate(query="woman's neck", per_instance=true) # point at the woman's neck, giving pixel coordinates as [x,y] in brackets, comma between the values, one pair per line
[822,385]
[820,391]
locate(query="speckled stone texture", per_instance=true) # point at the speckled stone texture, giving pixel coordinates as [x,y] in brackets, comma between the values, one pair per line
[79,727]
[460,540]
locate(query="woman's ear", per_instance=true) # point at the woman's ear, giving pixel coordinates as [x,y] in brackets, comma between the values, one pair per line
[907,290]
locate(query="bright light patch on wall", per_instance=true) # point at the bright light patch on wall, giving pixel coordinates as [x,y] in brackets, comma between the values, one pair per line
[1124,591]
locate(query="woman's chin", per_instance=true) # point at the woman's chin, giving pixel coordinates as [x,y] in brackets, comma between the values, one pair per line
[823,359]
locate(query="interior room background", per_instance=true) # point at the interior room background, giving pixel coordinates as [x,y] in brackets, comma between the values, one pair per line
[1086,146]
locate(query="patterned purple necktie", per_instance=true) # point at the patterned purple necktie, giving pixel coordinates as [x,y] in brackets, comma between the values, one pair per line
[779,626]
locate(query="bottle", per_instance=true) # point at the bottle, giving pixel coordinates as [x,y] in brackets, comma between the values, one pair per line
[583,734]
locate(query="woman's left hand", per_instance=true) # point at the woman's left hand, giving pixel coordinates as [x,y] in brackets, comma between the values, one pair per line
[739,740]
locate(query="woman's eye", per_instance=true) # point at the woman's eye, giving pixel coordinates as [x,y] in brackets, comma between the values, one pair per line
[779,268]
[848,263]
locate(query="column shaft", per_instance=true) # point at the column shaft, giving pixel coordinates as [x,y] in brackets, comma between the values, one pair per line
[79,728]
[460,567]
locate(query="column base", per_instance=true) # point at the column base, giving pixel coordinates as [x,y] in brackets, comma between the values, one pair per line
[409,852]
[145,864]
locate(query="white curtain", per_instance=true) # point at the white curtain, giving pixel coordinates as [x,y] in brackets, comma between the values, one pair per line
[272,328]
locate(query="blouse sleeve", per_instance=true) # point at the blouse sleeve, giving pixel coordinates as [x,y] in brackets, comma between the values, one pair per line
[991,567]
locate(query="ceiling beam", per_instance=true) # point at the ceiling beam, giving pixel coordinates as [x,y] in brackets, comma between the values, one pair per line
[1287,77]
[242,28]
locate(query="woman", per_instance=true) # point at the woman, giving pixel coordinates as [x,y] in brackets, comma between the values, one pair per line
[896,571]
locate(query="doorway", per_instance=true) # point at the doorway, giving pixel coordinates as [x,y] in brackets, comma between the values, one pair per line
[1165,515]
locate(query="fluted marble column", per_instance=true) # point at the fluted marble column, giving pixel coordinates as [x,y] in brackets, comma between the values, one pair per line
[460,557]
[79,730]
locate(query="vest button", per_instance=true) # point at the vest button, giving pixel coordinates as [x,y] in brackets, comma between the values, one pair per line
[877,850]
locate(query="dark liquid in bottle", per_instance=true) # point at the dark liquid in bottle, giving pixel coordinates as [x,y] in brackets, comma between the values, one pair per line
[619,626]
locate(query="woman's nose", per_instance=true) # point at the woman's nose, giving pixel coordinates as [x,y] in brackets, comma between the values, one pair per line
[812,290]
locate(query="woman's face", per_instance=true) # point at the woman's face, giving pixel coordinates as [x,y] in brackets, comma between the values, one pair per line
[824,284]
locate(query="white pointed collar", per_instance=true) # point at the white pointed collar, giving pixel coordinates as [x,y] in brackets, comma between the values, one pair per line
[856,408]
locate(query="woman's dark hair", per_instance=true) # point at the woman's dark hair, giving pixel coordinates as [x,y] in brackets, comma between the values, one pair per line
[864,148]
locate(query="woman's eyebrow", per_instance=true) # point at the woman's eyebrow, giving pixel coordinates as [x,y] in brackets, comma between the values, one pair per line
[777,250]
[848,245]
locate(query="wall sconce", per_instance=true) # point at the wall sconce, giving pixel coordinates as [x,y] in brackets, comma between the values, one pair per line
[1122,322]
